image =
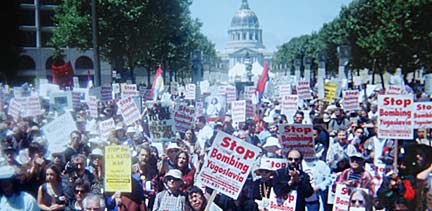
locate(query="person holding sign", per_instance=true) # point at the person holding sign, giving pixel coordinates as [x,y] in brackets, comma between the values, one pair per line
[292,178]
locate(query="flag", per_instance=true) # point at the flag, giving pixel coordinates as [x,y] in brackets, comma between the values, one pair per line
[262,82]
[158,84]
[62,74]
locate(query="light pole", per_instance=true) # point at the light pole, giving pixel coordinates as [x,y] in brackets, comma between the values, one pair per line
[297,64]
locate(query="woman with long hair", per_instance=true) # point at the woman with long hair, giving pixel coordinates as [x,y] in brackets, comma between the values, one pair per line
[50,194]
[182,163]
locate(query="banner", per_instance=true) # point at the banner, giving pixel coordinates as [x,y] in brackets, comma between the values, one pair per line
[190,92]
[351,100]
[330,91]
[304,90]
[342,196]
[299,137]
[395,116]
[238,111]
[128,110]
[228,165]
[106,127]
[422,115]
[118,164]
[62,75]
[183,116]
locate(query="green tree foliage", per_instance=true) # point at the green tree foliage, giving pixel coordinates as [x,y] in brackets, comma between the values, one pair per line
[383,35]
[134,33]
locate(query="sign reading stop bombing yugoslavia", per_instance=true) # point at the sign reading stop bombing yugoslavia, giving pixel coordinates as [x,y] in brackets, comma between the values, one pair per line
[395,116]
[422,115]
[228,165]
[118,173]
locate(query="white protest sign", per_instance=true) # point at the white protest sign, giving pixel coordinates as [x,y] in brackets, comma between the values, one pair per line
[183,116]
[93,107]
[190,92]
[231,94]
[204,87]
[199,108]
[14,108]
[395,116]
[116,88]
[299,137]
[290,104]
[351,100]
[46,89]
[129,110]
[128,90]
[342,197]
[303,90]
[250,109]
[422,115]
[106,127]
[378,172]
[284,90]
[357,80]
[275,163]
[286,203]
[393,90]
[58,131]
[30,106]
[238,111]
[221,90]
[229,163]
[249,92]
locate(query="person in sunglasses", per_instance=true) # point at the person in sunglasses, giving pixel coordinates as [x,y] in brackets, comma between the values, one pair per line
[360,200]
[171,199]
[293,178]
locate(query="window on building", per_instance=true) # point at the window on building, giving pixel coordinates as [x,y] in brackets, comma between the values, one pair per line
[26,17]
[49,2]
[244,35]
[26,1]
[256,36]
[26,63]
[45,38]
[250,36]
[238,36]
[84,62]
[27,39]
[46,18]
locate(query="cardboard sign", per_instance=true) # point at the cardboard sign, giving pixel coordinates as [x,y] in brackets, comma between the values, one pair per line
[275,163]
[290,104]
[229,163]
[231,94]
[93,106]
[190,92]
[342,196]
[106,127]
[282,203]
[238,111]
[393,90]
[30,106]
[330,90]
[128,90]
[183,116]
[422,115]
[299,137]
[303,90]
[284,90]
[128,110]
[351,100]
[395,116]
[58,131]
[118,164]
[14,108]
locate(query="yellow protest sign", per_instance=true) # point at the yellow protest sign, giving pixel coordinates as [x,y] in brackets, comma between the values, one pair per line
[118,169]
[330,91]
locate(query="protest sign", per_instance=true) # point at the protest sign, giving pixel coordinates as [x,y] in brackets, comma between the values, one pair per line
[378,172]
[199,108]
[249,92]
[30,106]
[299,137]
[63,100]
[250,109]
[393,90]
[357,81]
[106,127]
[330,90]
[146,94]
[231,94]
[58,131]
[351,100]
[128,110]
[228,165]
[290,104]
[183,116]
[14,108]
[76,100]
[395,116]
[238,111]
[284,90]
[190,92]
[118,164]
[342,196]
[221,90]
[45,90]
[204,87]
[160,123]
[128,90]
[304,90]
[215,105]
[275,163]
[93,106]
[282,203]
[106,93]
[422,115]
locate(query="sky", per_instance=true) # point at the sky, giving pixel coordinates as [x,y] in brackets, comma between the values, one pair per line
[280,20]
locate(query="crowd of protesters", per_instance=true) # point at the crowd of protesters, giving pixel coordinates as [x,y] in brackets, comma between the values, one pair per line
[32,178]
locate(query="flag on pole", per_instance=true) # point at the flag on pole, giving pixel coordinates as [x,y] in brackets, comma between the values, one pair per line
[262,82]
[158,84]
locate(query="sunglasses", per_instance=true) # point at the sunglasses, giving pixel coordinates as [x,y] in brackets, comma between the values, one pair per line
[169,178]
[173,150]
[294,159]
[80,191]
[357,201]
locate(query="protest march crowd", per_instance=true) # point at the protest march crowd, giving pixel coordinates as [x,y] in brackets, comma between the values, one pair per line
[286,152]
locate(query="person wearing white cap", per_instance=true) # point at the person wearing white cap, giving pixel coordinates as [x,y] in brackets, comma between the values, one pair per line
[172,198]
[263,186]
[272,148]
[11,199]
[167,163]
[96,163]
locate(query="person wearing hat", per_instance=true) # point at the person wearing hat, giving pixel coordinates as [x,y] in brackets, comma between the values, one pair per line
[168,161]
[172,198]
[272,148]
[10,152]
[356,176]
[11,198]
[96,163]
[263,186]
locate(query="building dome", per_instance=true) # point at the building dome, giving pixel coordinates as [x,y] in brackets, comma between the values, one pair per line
[245,17]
